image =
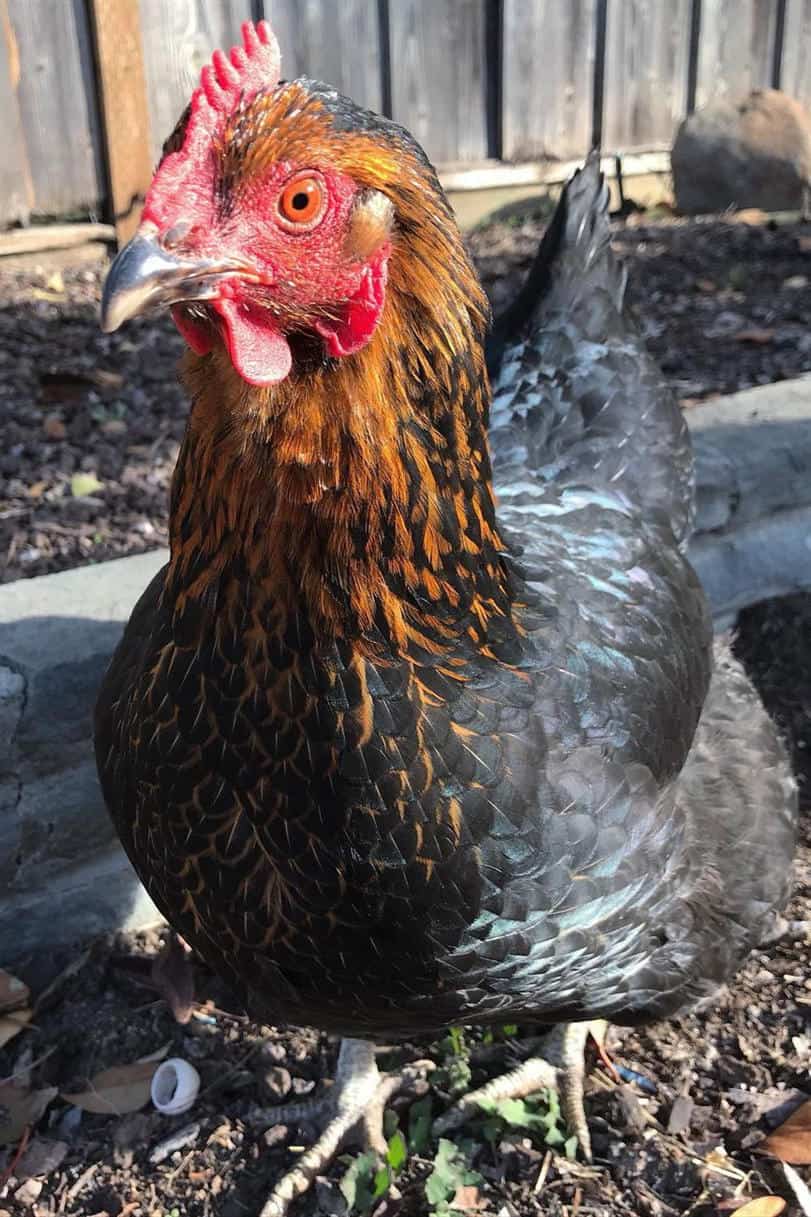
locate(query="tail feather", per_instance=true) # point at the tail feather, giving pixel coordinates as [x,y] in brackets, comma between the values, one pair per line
[577,399]
[576,245]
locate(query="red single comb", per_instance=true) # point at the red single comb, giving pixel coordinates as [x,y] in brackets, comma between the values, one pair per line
[224,83]
[243,72]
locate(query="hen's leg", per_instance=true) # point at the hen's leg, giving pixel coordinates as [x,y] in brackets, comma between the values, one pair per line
[355,1104]
[562,1067]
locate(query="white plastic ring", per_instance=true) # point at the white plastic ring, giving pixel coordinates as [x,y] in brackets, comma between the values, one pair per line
[175,1084]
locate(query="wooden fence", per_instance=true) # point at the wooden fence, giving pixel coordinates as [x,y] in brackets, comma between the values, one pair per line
[475,80]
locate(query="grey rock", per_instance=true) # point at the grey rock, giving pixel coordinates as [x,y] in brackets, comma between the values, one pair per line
[753,154]
[42,1158]
[278,1082]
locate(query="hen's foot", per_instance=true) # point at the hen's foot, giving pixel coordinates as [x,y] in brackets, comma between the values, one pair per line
[354,1107]
[562,1068]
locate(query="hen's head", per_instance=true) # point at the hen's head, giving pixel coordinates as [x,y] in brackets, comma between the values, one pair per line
[271,219]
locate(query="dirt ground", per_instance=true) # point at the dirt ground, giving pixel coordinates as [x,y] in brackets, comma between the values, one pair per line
[90,426]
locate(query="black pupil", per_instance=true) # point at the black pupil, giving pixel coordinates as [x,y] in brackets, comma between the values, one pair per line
[300,201]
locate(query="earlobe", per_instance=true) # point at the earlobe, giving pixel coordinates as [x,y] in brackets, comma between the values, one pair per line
[362,313]
[370,225]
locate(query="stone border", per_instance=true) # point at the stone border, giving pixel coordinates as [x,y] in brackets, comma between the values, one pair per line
[62,872]
[753,490]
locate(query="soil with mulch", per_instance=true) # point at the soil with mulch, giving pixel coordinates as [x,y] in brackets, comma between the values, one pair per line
[90,428]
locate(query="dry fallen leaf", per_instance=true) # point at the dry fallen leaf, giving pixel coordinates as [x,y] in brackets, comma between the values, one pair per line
[116,1091]
[791,1140]
[467,1199]
[762,1206]
[19,1108]
[82,484]
[12,1024]
[756,336]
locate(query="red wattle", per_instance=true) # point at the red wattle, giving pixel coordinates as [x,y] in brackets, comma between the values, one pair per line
[362,313]
[259,350]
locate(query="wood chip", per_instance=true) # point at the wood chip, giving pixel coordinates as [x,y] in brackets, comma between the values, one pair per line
[680,1116]
[635,1115]
[755,336]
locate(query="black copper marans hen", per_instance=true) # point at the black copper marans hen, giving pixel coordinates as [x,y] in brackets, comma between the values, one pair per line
[388,759]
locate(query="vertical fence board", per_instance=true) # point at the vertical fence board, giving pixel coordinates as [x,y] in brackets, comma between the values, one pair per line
[438,69]
[796,75]
[647,49]
[57,103]
[124,110]
[548,78]
[16,189]
[178,38]
[336,43]
[437,83]
[736,48]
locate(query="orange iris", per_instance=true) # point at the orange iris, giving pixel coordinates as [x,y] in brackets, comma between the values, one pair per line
[302,202]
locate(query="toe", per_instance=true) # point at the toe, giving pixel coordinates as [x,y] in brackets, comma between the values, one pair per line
[533,1075]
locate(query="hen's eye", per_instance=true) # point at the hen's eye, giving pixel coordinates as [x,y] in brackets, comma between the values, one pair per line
[302,203]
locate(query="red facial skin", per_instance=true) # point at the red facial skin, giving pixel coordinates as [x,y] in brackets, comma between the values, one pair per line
[298,277]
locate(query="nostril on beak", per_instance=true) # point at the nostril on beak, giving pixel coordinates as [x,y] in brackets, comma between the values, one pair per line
[174,235]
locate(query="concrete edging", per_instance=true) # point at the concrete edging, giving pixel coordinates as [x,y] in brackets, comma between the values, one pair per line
[753,491]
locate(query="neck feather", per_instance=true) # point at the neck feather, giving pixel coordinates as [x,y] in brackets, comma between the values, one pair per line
[358,491]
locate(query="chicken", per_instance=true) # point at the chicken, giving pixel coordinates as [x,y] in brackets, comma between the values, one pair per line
[388,759]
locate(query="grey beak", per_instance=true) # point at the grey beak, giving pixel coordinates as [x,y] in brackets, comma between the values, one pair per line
[145,276]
